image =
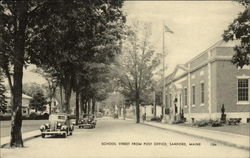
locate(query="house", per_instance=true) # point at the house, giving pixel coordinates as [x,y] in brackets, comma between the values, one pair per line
[200,87]
[149,111]
[25,103]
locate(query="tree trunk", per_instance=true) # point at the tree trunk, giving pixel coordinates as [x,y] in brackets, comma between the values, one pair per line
[16,118]
[77,106]
[88,107]
[93,106]
[67,92]
[61,98]
[137,96]
[81,102]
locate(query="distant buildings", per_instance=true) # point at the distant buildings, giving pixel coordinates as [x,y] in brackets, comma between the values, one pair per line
[25,103]
[149,111]
[26,110]
[201,86]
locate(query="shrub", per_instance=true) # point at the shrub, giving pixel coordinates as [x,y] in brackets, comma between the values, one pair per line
[33,116]
[45,116]
[177,121]
[203,123]
[5,117]
[157,119]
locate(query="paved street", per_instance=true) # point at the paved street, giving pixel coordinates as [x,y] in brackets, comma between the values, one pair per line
[27,125]
[118,138]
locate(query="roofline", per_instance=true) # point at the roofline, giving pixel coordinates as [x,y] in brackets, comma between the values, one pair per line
[205,51]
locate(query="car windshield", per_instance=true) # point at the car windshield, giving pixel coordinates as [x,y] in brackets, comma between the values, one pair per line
[57,117]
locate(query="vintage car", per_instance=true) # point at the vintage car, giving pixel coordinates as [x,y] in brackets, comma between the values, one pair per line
[59,124]
[87,121]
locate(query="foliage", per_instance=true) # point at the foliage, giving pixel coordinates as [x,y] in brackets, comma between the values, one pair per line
[62,37]
[135,66]
[239,29]
[32,88]
[203,123]
[157,119]
[177,121]
[3,102]
[52,82]
[83,36]
[38,102]
[35,116]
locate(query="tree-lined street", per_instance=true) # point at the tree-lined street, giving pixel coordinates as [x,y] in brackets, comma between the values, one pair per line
[116,138]
[97,61]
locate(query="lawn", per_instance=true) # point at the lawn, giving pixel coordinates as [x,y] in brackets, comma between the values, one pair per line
[241,129]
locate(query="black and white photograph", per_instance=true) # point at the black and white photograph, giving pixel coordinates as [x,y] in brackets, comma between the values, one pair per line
[124,79]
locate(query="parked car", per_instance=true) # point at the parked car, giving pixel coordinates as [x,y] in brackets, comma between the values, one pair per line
[87,121]
[59,124]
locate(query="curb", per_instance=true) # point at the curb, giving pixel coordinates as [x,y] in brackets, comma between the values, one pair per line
[203,137]
[24,140]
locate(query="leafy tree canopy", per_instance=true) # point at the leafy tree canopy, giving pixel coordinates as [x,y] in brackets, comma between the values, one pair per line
[239,29]
[38,102]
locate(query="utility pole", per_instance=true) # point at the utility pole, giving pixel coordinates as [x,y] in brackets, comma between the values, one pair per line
[165,29]
[154,104]
[163,73]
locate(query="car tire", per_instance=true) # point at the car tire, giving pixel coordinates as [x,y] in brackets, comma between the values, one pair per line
[43,135]
[64,135]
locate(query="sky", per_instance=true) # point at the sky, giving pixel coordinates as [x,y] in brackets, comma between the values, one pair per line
[196,25]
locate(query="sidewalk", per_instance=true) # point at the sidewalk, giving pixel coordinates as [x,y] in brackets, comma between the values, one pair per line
[229,139]
[26,136]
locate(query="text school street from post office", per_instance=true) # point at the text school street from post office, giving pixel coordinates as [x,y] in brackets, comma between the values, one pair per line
[119,138]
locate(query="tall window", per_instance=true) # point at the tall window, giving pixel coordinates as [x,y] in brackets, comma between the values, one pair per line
[193,93]
[185,96]
[202,93]
[242,89]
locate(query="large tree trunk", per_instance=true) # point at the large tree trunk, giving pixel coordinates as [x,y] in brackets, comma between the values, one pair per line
[67,91]
[16,118]
[77,106]
[137,102]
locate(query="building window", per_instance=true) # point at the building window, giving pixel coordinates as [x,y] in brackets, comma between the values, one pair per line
[202,93]
[185,96]
[193,94]
[242,89]
[152,110]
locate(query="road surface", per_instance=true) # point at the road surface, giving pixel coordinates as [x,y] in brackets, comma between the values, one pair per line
[118,138]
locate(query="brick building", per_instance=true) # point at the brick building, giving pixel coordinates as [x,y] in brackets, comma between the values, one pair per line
[201,86]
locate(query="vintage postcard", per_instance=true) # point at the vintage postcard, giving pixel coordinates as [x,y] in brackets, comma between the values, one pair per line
[124,79]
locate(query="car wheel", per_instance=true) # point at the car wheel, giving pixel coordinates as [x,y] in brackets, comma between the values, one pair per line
[43,135]
[64,135]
